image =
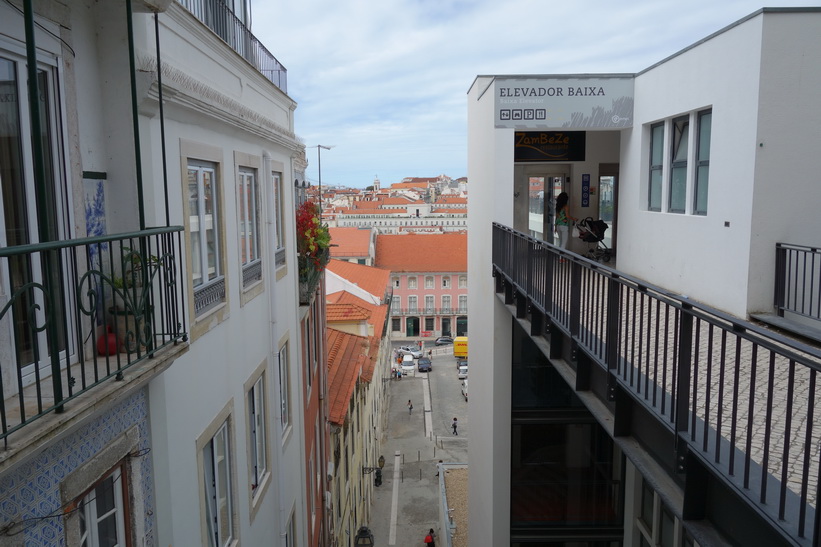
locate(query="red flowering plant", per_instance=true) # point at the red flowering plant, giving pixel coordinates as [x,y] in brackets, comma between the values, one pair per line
[312,238]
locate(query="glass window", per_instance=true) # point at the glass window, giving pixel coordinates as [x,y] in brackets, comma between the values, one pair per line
[396,303]
[428,323]
[411,282]
[249,237]
[203,210]
[102,514]
[218,489]
[412,304]
[656,165]
[429,282]
[445,281]
[678,160]
[446,303]
[284,387]
[463,303]
[395,282]
[396,324]
[429,304]
[705,122]
[463,282]
[276,180]
[259,455]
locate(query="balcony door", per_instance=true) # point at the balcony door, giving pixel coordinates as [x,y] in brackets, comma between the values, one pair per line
[23,275]
[544,183]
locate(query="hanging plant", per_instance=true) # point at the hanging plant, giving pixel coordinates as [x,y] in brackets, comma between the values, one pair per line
[313,237]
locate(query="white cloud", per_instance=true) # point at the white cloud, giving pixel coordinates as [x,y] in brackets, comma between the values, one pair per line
[386,81]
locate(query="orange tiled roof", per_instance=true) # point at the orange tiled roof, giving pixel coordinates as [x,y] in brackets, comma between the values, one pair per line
[369,212]
[350,241]
[345,313]
[455,210]
[408,185]
[370,279]
[451,200]
[397,200]
[422,252]
[346,361]
[378,314]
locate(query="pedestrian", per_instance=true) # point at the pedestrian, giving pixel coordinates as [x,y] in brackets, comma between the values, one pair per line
[455,424]
[410,407]
[430,539]
[438,468]
[430,354]
[563,219]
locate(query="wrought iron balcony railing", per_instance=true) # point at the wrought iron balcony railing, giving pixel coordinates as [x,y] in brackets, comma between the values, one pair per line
[81,312]
[798,282]
[741,399]
[217,16]
[310,275]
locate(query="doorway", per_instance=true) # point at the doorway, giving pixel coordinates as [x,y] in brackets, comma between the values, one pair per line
[412,326]
[608,202]
[543,183]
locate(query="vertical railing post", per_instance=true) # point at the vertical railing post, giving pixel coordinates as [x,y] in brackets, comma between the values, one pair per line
[683,379]
[780,279]
[611,352]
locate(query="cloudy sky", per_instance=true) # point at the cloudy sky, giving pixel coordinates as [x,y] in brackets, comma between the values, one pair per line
[385,81]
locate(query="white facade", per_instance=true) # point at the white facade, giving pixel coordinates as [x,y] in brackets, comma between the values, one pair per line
[760,78]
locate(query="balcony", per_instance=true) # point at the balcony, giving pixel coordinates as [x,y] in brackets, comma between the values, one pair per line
[310,273]
[217,16]
[82,313]
[726,402]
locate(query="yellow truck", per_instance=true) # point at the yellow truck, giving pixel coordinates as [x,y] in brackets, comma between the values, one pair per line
[460,347]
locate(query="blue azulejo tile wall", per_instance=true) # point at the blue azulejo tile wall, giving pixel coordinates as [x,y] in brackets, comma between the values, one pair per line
[32,511]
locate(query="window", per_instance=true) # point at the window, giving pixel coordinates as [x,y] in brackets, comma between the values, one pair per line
[428,281]
[216,457]
[445,281]
[463,303]
[284,387]
[463,282]
[656,523]
[396,303]
[204,226]
[412,305]
[102,515]
[705,123]
[289,538]
[446,303]
[259,454]
[396,324]
[429,323]
[678,161]
[429,305]
[656,165]
[411,282]
[248,199]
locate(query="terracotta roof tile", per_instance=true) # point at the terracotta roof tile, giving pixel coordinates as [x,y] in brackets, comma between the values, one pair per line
[422,252]
[346,312]
[350,242]
[377,315]
[371,279]
[347,357]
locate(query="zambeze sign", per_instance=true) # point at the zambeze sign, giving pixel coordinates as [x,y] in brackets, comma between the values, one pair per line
[564,103]
[549,146]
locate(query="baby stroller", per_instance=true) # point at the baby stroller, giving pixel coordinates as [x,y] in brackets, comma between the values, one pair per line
[592,231]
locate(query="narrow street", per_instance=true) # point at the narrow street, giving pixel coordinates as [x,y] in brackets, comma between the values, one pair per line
[407,504]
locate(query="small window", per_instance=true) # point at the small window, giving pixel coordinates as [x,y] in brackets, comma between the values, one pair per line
[705,122]
[218,488]
[396,303]
[396,324]
[259,454]
[445,281]
[284,387]
[656,166]
[446,303]
[412,304]
[463,303]
[429,282]
[463,282]
[395,282]
[678,163]
[411,282]
[102,514]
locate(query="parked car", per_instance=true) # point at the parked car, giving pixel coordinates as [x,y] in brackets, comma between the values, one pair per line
[465,389]
[407,350]
[460,363]
[443,341]
[463,372]
[424,365]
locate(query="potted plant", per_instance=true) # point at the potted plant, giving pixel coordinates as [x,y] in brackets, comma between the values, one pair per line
[313,238]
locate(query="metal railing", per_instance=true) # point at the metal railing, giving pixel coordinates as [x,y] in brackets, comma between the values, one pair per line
[741,398]
[217,16]
[82,311]
[798,281]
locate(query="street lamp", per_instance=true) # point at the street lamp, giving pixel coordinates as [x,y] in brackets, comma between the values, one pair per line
[377,479]
[364,537]
[319,148]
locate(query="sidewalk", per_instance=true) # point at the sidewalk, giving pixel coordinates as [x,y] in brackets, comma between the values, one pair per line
[406,506]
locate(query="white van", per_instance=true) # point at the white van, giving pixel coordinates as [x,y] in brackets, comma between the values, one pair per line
[407,363]
[465,389]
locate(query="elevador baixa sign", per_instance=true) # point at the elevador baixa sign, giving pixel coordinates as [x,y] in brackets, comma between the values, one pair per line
[604,102]
[531,146]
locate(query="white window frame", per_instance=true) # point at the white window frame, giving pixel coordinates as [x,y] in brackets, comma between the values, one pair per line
[463,303]
[446,303]
[250,246]
[396,303]
[445,281]
[413,304]
[463,282]
[276,184]
[412,282]
[428,281]
[284,387]
[90,509]
[395,282]
[430,303]
[258,470]
[200,250]
[217,461]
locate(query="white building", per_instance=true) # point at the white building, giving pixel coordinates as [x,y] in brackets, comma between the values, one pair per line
[183,401]
[601,395]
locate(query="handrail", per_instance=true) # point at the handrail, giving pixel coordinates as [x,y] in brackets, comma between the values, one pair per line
[741,398]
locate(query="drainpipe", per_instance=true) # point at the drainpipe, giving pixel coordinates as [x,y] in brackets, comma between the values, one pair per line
[134,113]
[162,118]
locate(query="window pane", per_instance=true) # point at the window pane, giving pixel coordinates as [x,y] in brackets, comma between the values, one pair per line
[667,528]
[705,129]
[657,144]
[678,189]
[223,485]
[655,190]
[702,183]
[647,495]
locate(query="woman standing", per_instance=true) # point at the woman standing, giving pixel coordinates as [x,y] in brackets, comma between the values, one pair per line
[563,219]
